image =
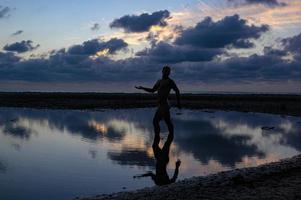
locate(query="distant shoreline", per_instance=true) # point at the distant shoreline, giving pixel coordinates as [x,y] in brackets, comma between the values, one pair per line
[264,103]
[278,180]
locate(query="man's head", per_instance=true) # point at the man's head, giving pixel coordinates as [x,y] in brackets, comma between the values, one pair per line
[166,71]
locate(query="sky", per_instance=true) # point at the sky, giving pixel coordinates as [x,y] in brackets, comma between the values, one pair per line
[111,46]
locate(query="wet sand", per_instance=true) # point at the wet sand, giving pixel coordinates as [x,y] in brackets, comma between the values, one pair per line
[279,180]
[265,103]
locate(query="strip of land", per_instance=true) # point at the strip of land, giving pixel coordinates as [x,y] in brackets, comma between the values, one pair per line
[279,180]
[266,103]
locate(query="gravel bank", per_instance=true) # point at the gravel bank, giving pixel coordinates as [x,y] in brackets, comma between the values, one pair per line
[279,180]
[265,103]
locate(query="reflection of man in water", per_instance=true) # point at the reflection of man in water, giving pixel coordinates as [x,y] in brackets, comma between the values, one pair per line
[162,158]
[163,86]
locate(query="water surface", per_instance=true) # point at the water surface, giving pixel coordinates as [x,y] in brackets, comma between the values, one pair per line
[62,154]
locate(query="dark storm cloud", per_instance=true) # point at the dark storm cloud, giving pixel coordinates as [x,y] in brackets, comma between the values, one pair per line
[271,3]
[230,30]
[21,47]
[293,44]
[91,47]
[272,65]
[17,32]
[192,58]
[4,11]
[8,58]
[269,51]
[243,44]
[95,27]
[269,67]
[167,53]
[205,41]
[141,23]
[66,67]
[66,64]
[266,2]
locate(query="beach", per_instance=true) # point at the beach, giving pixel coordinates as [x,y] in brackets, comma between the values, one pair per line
[278,180]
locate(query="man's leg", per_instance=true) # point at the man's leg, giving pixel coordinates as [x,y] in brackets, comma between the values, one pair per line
[170,136]
[156,121]
[168,123]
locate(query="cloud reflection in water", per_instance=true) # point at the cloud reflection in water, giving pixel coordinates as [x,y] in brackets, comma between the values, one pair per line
[208,140]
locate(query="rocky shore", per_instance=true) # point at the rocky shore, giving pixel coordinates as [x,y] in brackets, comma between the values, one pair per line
[278,180]
[265,103]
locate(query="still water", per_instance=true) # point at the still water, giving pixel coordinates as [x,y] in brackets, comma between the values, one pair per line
[62,154]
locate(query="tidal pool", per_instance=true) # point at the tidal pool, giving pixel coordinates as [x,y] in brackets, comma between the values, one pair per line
[63,154]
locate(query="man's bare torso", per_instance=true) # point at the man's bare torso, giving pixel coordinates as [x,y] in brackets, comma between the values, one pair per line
[164,86]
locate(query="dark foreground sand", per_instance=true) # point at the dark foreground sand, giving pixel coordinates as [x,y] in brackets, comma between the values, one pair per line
[279,180]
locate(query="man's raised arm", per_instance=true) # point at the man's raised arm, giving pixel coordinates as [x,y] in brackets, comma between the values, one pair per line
[175,176]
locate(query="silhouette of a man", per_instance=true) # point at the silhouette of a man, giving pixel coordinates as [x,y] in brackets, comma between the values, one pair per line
[163,86]
[162,158]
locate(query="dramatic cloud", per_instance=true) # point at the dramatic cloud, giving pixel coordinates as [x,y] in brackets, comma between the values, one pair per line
[8,58]
[192,59]
[91,47]
[141,23]
[205,41]
[4,12]
[21,47]
[293,44]
[167,53]
[87,61]
[17,32]
[62,66]
[271,3]
[269,67]
[230,30]
[95,27]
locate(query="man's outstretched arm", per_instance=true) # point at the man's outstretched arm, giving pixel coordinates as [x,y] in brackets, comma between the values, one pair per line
[151,174]
[151,90]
